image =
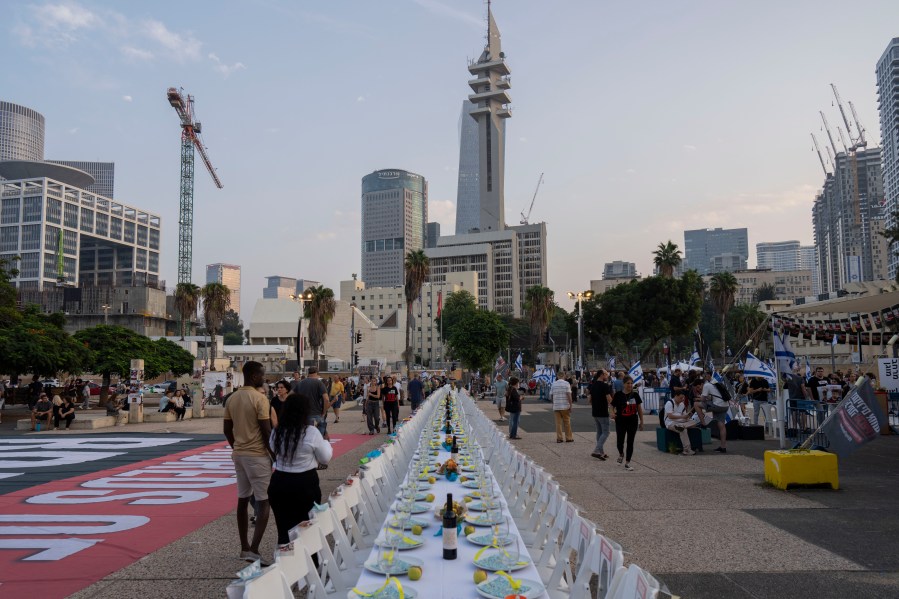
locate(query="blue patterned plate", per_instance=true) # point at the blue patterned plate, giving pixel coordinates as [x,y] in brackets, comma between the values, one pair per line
[497,587]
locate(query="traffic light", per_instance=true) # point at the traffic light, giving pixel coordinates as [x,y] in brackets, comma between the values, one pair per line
[358,337]
[356,359]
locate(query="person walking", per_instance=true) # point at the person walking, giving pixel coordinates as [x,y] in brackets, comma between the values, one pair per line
[560,394]
[85,391]
[628,419]
[501,387]
[416,391]
[299,451]
[313,388]
[390,397]
[513,407]
[336,393]
[373,407]
[600,396]
[247,427]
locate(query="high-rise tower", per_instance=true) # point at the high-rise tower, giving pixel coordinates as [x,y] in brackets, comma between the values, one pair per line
[491,98]
[888,104]
[468,192]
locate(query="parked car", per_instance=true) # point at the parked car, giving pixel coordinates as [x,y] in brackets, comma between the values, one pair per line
[157,388]
[97,388]
[51,383]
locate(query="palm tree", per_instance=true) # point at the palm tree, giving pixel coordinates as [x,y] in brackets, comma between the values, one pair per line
[539,306]
[319,311]
[187,296]
[416,268]
[667,257]
[722,289]
[744,320]
[216,301]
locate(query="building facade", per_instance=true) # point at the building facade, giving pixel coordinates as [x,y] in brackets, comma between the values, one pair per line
[433,235]
[278,287]
[229,276]
[468,190]
[777,255]
[619,270]
[788,285]
[21,133]
[68,235]
[808,260]
[102,172]
[394,221]
[701,246]
[599,286]
[842,217]
[726,263]
[888,104]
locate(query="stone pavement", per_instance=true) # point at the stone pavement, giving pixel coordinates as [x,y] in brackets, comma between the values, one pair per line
[706,526]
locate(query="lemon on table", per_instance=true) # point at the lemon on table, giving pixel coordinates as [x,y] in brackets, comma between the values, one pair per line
[432,480]
[479,576]
[469,530]
[430,497]
[467,499]
[463,478]
[416,529]
[415,573]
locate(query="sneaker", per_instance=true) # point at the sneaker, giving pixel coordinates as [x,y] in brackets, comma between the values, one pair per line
[599,456]
[628,468]
[688,452]
[721,450]
[252,520]
[250,556]
[620,459]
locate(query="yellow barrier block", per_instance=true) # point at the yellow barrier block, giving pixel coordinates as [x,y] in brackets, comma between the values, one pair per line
[784,468]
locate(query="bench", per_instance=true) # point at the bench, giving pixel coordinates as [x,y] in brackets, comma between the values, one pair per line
[214,411]
[151,416]
[666,439]
[82,422]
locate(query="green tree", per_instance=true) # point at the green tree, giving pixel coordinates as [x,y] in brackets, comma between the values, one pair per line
[216,301]
[539,307]
[36,343]
[173,358]
[416,268]
[743,320]
[319,311]
[764,292]
[456,307]
[667,257]
[477,338]
[722,290]
[187,296]
[232,328]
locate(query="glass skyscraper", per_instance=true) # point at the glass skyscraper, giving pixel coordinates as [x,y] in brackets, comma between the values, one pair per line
[888,103]
[702,246]
[21,133]
[468,192]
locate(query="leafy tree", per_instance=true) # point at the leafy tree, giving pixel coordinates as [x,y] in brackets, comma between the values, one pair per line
[743,320]
[319,310]
[539,307]
[457,306]
[216,301]
[187,296]
[416,268]
[36,343]
[519,330]
[173,358]
[765,292]
[667,258]
[232,329]
[722,290]
[477,338]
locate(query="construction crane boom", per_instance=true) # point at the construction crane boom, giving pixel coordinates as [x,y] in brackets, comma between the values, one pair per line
[862,142]
[525,217]
[820,157]
[190,141]
[836,95]
[842,139]
[829,135]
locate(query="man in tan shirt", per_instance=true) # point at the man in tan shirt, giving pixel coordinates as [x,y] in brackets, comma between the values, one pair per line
[248,428]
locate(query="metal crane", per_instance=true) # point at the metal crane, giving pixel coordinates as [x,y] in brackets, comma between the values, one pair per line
[836,95]
[525,217]
[862,142]
[190,139]
[820,157]
[829,135]
[843,139]
[853,158]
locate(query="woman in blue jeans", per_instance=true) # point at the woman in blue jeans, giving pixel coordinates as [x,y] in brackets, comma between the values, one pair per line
[513,407]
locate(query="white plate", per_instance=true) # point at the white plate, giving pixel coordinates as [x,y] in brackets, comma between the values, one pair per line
[415,543]
[419,507]
[407,562]
[419,495]
[479,519]
[534,588]
[470,484]
[488,561]
[408,593]
[412,522]
[484,539]
[478,506]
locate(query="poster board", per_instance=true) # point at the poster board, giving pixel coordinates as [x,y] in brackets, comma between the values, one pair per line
[888,373]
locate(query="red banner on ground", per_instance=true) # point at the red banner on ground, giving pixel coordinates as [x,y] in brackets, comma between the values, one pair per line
[60,537]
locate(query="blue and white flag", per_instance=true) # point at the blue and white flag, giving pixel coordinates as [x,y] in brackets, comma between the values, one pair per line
[716,376]
[694,357]
[740,364]
[755,367]
[783,352]
[808,370]
[636,373]
[612,363]
[835,340]
[545,374]
[519,362]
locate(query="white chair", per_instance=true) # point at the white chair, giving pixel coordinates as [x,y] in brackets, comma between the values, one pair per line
[327,576]
[344,515]
[631,582]
[349,558]
[294,565]
[271,584]
[604,558]
[578,540]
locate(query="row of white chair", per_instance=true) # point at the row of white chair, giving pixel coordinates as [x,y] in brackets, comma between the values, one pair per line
[552,526]
[341,536]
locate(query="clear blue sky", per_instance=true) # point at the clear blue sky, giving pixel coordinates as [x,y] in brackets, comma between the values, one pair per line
[647,118]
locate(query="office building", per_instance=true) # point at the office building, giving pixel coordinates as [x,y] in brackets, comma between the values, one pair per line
[229,276]
[619,270]
[704,248]
[507,260]
[394,220]
[888,104]
[278,287]
[65,234]
[304,284]
[880,251]
[491,98]
[726,262]
[21,133]
[808,260]
[842,216]
[102,172]
[777,255]
[468,190]
[599,286]
[788,284]
[433,235]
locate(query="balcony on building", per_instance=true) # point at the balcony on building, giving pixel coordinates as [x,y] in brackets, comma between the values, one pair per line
[499,66]
[500,95]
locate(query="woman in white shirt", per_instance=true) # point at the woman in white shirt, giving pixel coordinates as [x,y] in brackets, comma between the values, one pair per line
[299,449]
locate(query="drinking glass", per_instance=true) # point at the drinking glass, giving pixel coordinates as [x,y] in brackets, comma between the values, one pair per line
[501,531]
[510,555]
[386,558]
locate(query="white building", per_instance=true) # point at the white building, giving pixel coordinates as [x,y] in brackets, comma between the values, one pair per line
[888,103]
[229,276]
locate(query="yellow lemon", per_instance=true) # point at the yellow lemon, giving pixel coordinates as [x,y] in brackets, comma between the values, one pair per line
[469,530]
[415,573]
[479,576]
[416,530]
[430,497]
[463,478]
[467,499]
[432,480]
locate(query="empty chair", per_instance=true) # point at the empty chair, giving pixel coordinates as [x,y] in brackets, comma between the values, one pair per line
[271,584]
[604,558]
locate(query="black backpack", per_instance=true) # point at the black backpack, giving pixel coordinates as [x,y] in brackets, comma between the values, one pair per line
[724,391]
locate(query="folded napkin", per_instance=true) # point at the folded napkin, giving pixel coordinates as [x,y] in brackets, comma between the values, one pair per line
[439,532]
[452,476]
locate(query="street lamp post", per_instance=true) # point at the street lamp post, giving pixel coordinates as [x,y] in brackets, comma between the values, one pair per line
[300,298]
[580,296]
[105,308]
[352,337]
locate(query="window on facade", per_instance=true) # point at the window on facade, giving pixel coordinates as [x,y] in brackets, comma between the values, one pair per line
[32,211]
[71,216]
[9,239]
[31,237]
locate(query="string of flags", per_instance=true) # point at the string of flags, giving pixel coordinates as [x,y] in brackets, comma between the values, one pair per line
[863,327]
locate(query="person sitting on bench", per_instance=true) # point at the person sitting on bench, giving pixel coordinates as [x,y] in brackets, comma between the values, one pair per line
[66,412]
[42,411]
[677,419]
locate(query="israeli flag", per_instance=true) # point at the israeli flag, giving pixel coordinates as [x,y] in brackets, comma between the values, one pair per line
[612,363]
[636,373]
[694,358]
[808,370]
[783,352]
[740,364]
[519,362]
[545,374]
[835,340]
[755,367]
[716,376]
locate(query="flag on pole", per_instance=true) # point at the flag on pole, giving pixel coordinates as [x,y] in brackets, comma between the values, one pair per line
[755,367]
[519,362]
[835,340]
[694,358]
[636,373]
[545,374]
[857,420]
[783,352]
[740,364]
[716,376]
[808,371]
[501,367]
[439,303]
[612,363]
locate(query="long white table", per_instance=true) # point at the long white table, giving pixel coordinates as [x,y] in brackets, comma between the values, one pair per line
[446,579]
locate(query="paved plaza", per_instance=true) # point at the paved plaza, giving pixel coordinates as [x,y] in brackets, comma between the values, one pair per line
[706,526]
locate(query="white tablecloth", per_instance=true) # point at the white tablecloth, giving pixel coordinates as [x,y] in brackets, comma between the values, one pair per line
[446,579]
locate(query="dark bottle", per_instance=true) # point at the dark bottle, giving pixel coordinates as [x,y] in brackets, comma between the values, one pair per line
[454,451]
[450,541]
[449,426]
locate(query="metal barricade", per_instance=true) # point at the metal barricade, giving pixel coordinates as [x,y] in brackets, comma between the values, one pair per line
[803,419]
[654,399]
[893,410]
